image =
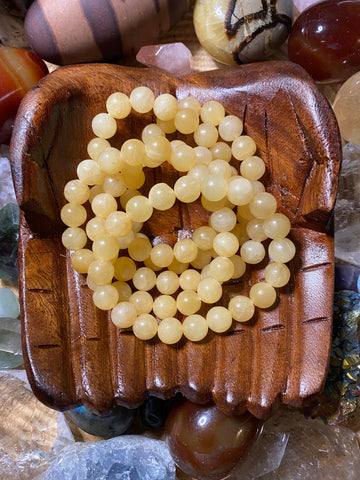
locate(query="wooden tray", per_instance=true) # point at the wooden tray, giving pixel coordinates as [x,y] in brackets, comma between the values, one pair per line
[73,353]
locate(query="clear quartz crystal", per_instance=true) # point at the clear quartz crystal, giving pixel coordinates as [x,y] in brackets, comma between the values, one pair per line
[347,207]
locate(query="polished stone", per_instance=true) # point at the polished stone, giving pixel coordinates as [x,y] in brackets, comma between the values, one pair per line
[10,335]
[174,58]
[9,227]
[7,193]
[9,304]
[347,107]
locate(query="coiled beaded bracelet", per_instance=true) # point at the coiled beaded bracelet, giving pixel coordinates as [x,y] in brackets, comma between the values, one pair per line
[243,216]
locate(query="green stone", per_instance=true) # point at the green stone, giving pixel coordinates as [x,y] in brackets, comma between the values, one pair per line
[9,304]
[9,233]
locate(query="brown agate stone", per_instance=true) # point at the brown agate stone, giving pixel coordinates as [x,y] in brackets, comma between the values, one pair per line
[73,353]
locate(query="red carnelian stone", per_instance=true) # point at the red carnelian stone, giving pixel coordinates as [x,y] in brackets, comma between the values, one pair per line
[325,40]
[204,442]
[19,71]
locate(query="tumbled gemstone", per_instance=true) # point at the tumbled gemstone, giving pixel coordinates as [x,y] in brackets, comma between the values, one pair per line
[325,40]
[9,226]
[346,107]
[173,58]
[204,442]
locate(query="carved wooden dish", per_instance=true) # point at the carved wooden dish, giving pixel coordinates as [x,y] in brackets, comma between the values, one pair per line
[73,353]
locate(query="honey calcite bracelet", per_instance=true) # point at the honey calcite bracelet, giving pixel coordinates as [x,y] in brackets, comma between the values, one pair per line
[222,171]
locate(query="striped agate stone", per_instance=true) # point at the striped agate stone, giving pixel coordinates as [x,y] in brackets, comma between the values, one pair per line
[74,31]
[19,71]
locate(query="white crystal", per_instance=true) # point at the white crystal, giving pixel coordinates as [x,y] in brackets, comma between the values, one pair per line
[7,193]
[10,335]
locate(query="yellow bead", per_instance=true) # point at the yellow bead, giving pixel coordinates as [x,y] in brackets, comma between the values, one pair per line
[204,237]
[144,279]
[127,195]
[241,308]
[73,215]
[183,158]
[220,167]
[95,190]
[219,319]
[178,267]
[189,279]
[202,258]
[195,328]
[134,176]
[101,272]
[258,186]
[221,151]
[240,191]
[124,314]
[118,224]
[133,152]
[81,259]
[188,302]
[212,206]
[105,247]
[95,227]
[76,192]
[223,220]
[105,297]
[158,149]
[142,99]
[165,106]
[185,250]
[104,125]
[167,282]
[167,126]
[145,326]
[186,120]
[139,208]
[203,155]
[103,204]
[240,232]
[243,147]
[214,187]
[206,135]
[212,112]
[143,301]
[239,266]
[114,184]
[226,244]
[252,252]
[222,269]
[161,196]
[282,250]
[199,172]
[252,168]
[209,290]
[277,274]
[96,146]
[110,161]
[118,105]
[187,189]
[124,290]
[230,128]
[263,205]
[164,306]
[170,330]
[255,230]
[74,238]
[89,172]
[125,241]
[190,102]
[162,255]
[124,268]
[140,248]
[277,226]
[262,294]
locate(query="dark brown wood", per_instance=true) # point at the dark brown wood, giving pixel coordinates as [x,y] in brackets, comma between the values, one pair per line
[73,353]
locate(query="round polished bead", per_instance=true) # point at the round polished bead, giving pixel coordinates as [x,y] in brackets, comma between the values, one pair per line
[165,106]
[195,328]
[145,326]
[187,189]
[203,155]
[89,172]
[162,255]
[190,102]
[76,192]
[240,191]
[252,252]
[134,176]
[73,215]
[81,259]
[96,146]
[240,232]
[125,197]
[161,196]
[142,99]
[101,272]
[214,187]
[118,105]
[206,135]
[105,297]
[124,290]
[222,269]
[124,314]
[105,247]
[170,330]
[189,279]
[219,319]
[346,106]
[164,306]
[74,238]
[103,204]
[104,125]
[212,206]
[206,443]
[183,158]
[255,230]
[199,172]
[243,213]
[125,241]
[204,237]
[258,186]
[118,224]
[110,161]
[142,300]
[186,120]
[222,151]
[167,126]
[133,152]
[202,258]
[150,131]
[239,266]
[114,184]
[185,250]
[158,149]
[252,168]
[124,268]
[177,266]
[243,147]
[188,302]
[263,205]
[167,282]
[226,244]
[241,308]
[277,226]
[95,227]
[212,112]
[277,274]
[139,248]
[209,290]
[282,250]
[144,279]
[262,294]
[220,167]
[139,208]
[223,220]
[230,128]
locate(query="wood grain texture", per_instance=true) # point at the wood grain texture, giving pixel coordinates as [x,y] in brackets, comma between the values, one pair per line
[73,353]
